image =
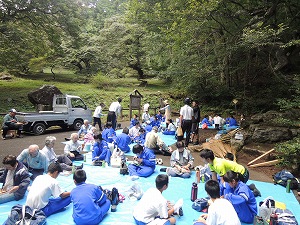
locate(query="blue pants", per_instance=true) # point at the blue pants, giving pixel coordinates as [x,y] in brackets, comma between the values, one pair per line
[173,174]
[7,197]
[141,171]
[169,132]
[56,204]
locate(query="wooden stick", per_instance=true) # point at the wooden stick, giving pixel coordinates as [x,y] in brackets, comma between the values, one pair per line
[269,163]
[266,153]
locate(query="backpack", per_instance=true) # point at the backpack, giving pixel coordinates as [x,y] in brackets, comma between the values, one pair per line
[24,215]
[123,168]
[285,217]
[283,176]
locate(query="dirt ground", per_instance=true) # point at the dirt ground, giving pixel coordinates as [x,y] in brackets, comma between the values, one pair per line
[16,145]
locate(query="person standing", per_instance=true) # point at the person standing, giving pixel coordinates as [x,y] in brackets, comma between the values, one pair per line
[11,122]
[186,117]
[97,115]
[35,160]
[91,207]
[15,179]
[46,194]
[114,111]
[167,109]
[195,123]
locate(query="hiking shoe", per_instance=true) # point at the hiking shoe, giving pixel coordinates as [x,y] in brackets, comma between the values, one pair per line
[180,211]
[67,139]
[113,208]
[252,187]
[256,192]
[79,167]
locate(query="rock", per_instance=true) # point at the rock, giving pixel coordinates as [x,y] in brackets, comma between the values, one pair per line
[6,77]
[269,134]
[236,145]
[43,95]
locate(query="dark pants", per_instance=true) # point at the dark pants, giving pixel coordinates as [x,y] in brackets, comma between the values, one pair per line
[187,127]
[12,126]
[111,117]
[35,172]
[78,157]
[97,120]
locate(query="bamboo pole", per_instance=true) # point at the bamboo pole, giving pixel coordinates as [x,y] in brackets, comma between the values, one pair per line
[266,153]
[269,163]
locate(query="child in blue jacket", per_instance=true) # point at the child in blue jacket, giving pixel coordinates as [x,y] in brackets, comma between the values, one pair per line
[101,150]
[241,197]
[145,162]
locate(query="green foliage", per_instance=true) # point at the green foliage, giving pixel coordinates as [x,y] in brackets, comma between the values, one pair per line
[289,153]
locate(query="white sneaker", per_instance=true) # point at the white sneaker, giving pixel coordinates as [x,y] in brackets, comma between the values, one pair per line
[178,205]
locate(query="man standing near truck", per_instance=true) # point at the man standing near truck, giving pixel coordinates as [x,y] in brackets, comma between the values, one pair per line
[10,122]
[115,110]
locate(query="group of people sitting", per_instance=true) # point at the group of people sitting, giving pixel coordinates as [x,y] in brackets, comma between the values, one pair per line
[218,122]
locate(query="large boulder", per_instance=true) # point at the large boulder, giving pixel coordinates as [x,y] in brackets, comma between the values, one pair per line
[43,95]
[268,134]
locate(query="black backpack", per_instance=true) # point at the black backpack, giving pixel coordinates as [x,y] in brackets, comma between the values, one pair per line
[282,178]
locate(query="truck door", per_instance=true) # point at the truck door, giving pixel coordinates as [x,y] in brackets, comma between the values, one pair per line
[79,110]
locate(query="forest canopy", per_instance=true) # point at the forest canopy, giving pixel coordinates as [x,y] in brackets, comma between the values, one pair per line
[214,51]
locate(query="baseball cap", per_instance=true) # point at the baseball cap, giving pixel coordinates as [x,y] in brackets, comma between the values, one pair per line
[13,110]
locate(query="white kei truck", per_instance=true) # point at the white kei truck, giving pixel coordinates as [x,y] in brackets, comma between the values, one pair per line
[68,112]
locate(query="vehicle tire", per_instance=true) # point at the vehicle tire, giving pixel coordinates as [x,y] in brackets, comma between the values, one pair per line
[39,128]
[77,124]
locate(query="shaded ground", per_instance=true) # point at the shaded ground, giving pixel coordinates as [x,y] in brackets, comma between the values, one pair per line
[15,146]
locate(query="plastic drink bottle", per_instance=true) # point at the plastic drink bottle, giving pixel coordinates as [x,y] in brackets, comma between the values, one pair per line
[194,192]
[288,186]
[197,176]
[84,159]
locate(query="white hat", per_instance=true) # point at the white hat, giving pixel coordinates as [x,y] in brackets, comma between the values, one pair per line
[166,102]
[13,110]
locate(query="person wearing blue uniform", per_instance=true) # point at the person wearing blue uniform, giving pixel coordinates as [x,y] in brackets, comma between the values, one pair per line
[141,138]
[241,197]
[133,121]
[145,162]
[232,122]
[101,150]
[123,140]
[154,121]
[88,208]
[205,120]
[108,134]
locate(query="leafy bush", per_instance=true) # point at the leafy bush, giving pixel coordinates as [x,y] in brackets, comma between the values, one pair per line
[289,153]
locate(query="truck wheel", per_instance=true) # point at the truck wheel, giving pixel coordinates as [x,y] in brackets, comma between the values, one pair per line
[77,124]
[39,128]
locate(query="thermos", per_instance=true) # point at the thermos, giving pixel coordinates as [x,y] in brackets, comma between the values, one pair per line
[288,186]
[197,176]
[273,219]
[194,192]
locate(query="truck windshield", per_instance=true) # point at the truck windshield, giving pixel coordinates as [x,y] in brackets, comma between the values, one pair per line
[77,103]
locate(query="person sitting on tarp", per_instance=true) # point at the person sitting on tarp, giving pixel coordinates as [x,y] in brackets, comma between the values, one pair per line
[89,137]
[144,162]
[108,134]
[232,122]
[220,210]
[148,127]
[101,150]
[154,121]
[219,166]
[154,142]
[46,194]
[241,197]
[15,179]
[90,207]
[85,128]
[159,116]
[171,128]
[206,121]
[73,148]
[141,138]
[123,140]
[134,131]
[181,162]
[133,121]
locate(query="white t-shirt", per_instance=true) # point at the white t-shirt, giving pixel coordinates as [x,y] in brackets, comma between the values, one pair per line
[9,181]
[115,107]
[146,107]
[172,127]
[134,131]
[151,205]
[98,112]
[42,188]
[217,120]
[221,212]
[186,112]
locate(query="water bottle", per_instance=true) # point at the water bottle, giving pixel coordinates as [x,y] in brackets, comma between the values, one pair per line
[197,176]
[288,186]
[73,169]
[84,159]
[194,192]
[203,178]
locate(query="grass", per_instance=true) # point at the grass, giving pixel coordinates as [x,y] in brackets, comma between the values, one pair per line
[14,92]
